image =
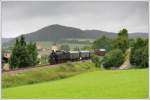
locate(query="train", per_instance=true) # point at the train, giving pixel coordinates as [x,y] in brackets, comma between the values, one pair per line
[56,57]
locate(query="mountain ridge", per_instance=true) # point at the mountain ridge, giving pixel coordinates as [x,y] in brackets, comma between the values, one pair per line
[58,32]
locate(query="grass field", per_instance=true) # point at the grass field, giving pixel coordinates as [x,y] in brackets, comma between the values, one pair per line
[45,73]
[131,83]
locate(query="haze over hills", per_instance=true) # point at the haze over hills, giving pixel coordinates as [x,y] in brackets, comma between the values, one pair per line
[58,32]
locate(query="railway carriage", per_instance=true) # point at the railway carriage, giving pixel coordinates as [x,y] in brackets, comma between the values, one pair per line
[84,54]
[74,55]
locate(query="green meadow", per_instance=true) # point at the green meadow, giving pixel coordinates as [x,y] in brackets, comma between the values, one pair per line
[132,83]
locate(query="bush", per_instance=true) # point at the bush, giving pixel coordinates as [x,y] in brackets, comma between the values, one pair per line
[96,60]
[113,58]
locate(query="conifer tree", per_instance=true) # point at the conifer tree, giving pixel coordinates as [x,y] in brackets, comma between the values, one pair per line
[23,54]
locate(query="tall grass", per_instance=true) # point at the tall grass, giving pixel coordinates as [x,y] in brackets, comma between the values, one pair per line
[36,75]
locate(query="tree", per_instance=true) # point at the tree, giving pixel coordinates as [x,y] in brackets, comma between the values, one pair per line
[139,53]
[20,57]
[113,58]
[32,50]
[22,41]
[122,42]
[23,54]
[131,42]
[145,56]
[103,42]
[65,47]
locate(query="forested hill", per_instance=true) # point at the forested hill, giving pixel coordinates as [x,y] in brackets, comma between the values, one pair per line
[58,32]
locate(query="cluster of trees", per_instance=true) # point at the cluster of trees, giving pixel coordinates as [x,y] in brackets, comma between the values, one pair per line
[113,59]
[103,42]
[139,53]
[120,42]
[23,54]
[116,49]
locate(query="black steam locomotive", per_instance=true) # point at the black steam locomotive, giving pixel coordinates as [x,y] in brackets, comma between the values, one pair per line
[64,56]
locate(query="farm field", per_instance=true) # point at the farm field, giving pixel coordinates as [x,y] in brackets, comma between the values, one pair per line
[132,83]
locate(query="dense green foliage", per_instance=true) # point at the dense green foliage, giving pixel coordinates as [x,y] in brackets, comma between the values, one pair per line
[115,49]
[23,54]
[96,60]
[139,53]
[113,58]
[131,83]
[32,51]
[46,73]
[103,42]
[122,42]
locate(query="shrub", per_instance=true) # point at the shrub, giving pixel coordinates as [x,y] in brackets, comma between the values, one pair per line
[113,58]
[96,60]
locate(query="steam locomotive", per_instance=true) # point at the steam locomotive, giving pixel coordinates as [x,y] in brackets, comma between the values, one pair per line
[63,56]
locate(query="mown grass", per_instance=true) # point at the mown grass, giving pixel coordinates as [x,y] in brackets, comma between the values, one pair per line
[36,75]
[131,83]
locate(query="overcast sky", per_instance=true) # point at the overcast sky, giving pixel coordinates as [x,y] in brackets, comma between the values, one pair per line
[25,17]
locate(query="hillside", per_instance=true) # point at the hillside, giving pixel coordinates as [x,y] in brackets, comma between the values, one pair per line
[58,32]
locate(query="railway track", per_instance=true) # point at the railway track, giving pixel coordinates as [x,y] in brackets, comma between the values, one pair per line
[38,66]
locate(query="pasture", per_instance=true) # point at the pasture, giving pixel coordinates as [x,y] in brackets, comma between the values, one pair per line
[132,83]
